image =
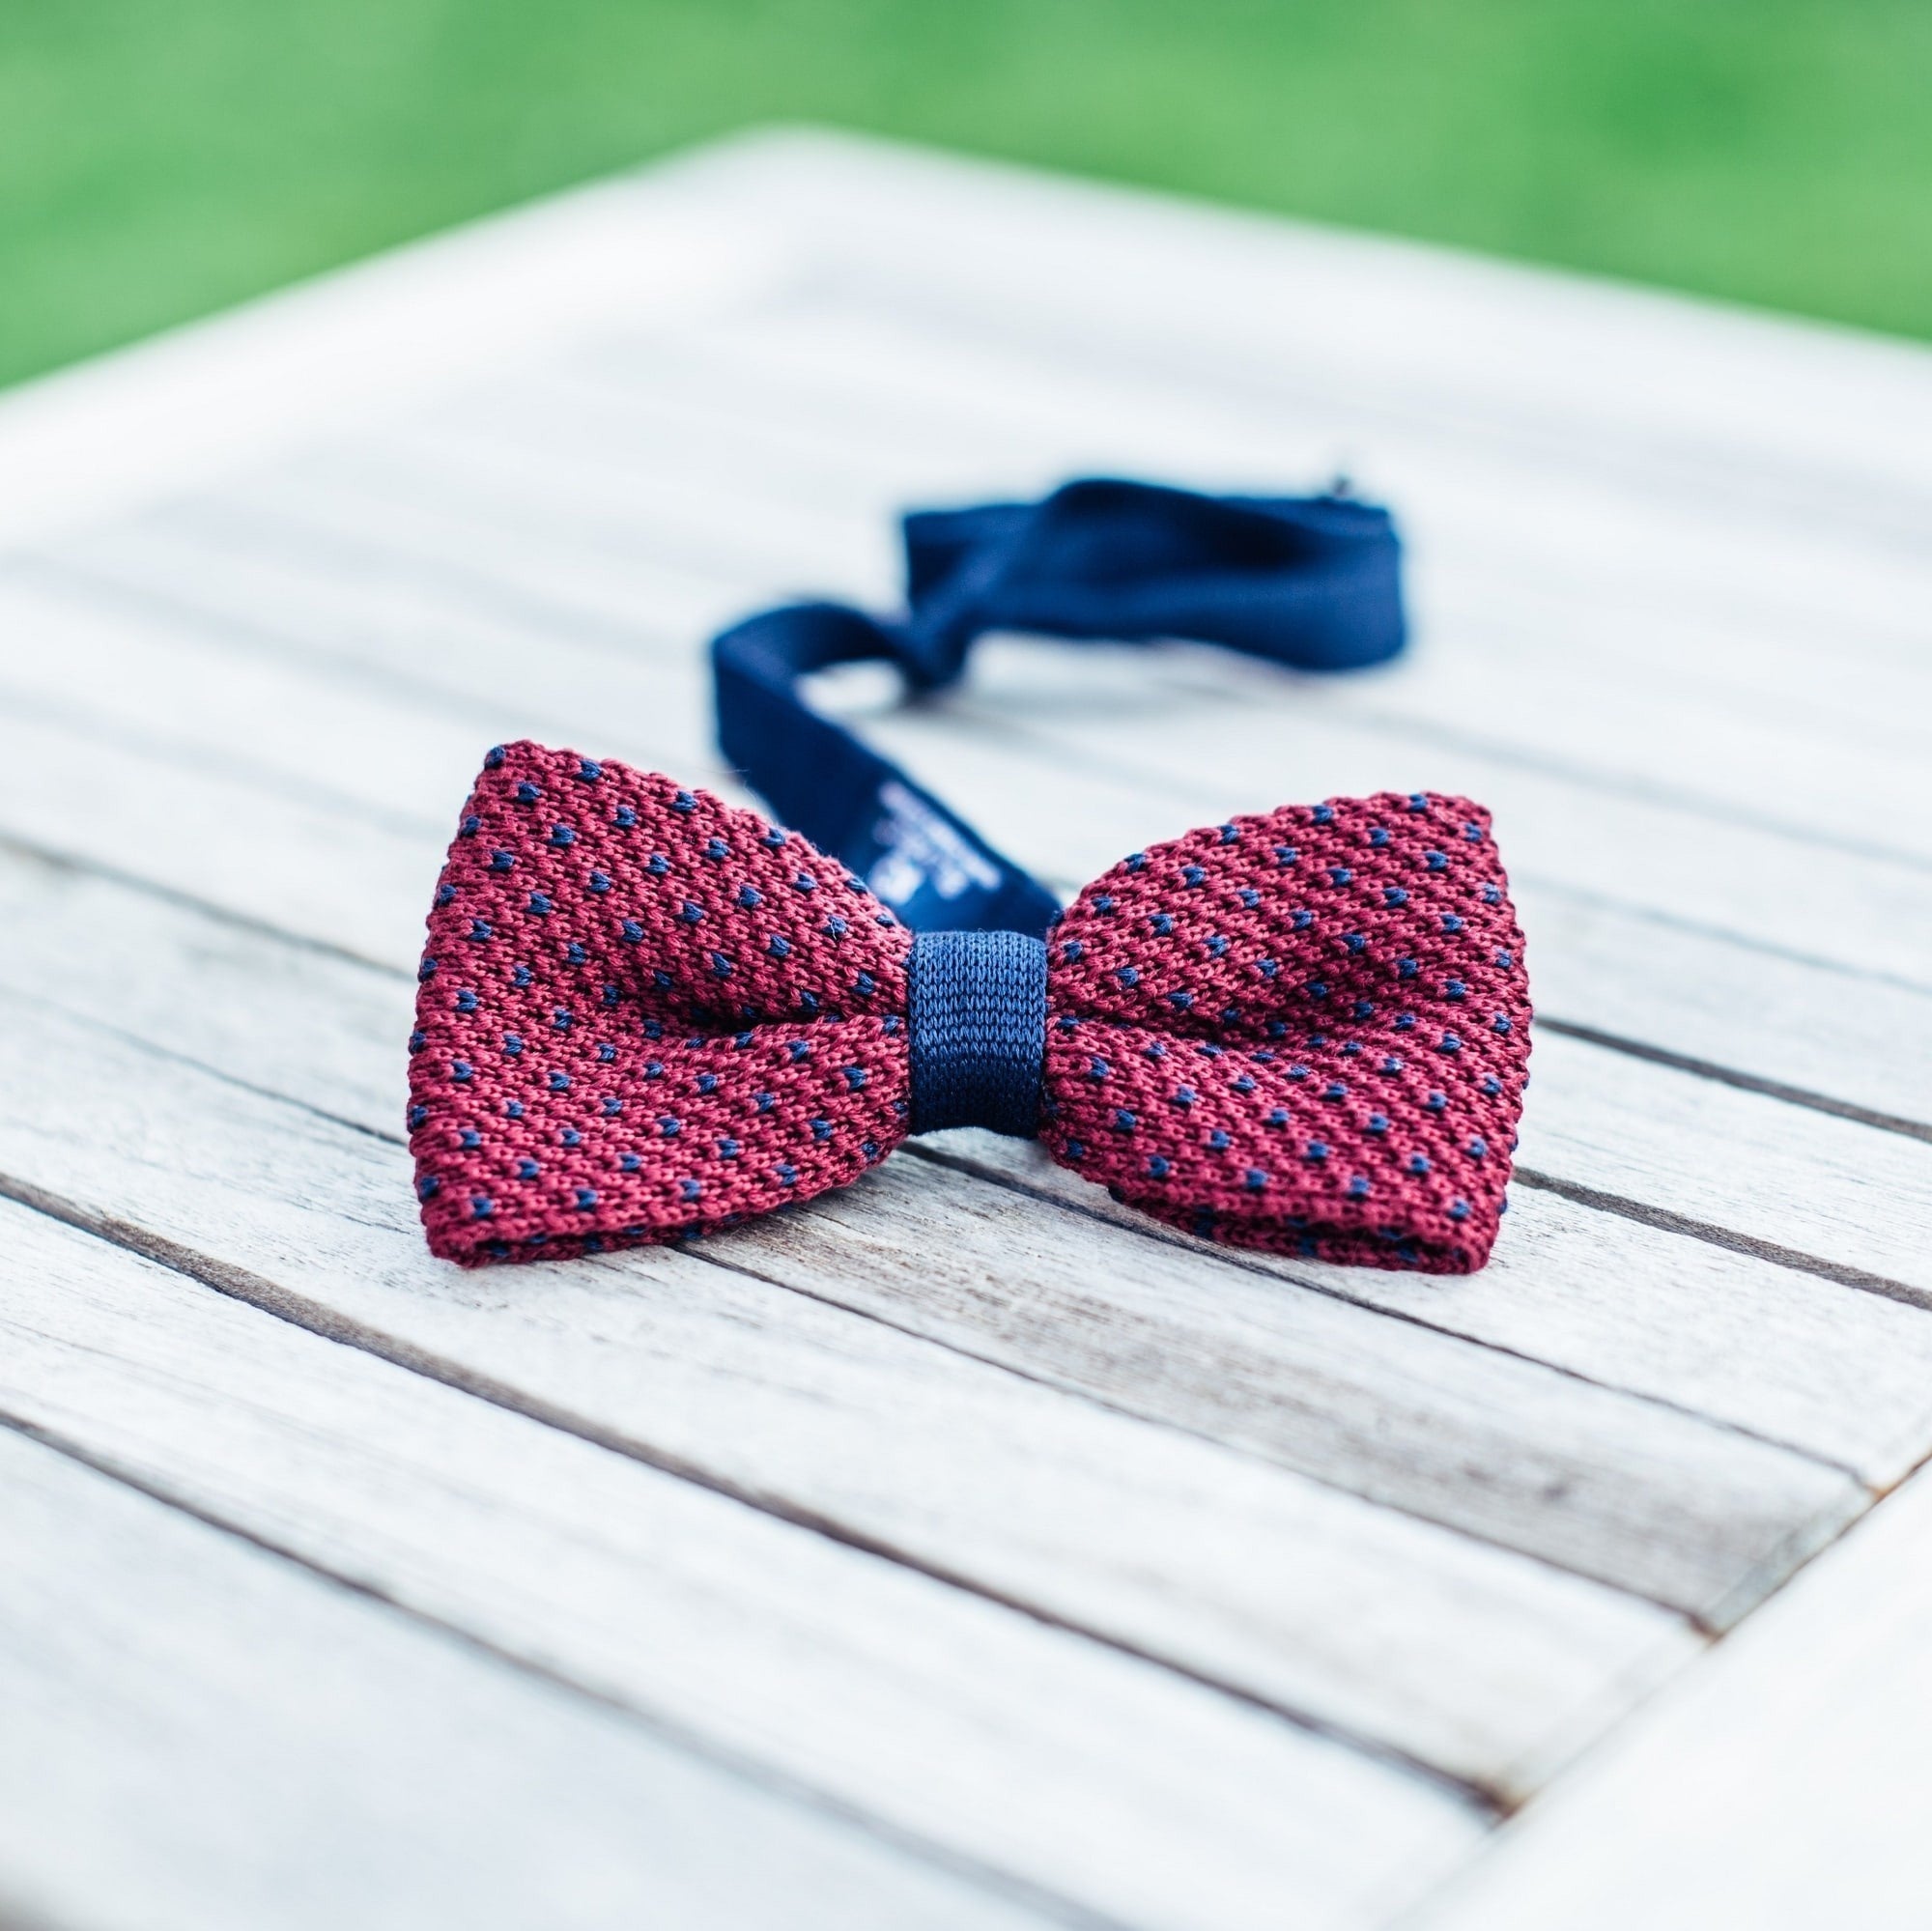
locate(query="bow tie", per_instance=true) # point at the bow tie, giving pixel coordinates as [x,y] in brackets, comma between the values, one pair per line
[646,1014]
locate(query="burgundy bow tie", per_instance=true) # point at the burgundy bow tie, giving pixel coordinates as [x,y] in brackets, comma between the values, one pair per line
[646,1014]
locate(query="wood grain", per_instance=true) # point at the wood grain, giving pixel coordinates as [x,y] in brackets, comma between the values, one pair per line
[1429,333]
[1066,1767]
[1808,1028]
[1708,1601]
[794,439]
[1782,1784]
[1842,1375]
[200,1734]
[1387,1409]
[855,1424]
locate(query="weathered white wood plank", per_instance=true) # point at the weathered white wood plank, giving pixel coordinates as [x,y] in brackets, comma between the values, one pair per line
[1791,1022]
[1543,1462]
[1816,1184]
[1843,1376]
[1511,644]
[1273,735]
[1840,1374]
[1395,1410]
[1024,1493]
[201,1736]
[1587,368]
[203,400]
[145,677]
[1782,1784]
[1810,1185]
[1099,1779]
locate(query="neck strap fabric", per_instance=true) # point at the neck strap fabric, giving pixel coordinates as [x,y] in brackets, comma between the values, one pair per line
[1312,582]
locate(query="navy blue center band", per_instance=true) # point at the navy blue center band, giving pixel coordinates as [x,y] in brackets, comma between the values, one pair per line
[977,1031]
[1310,581]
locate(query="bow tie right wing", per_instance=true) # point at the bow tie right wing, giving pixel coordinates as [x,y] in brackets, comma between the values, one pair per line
[1305,1031]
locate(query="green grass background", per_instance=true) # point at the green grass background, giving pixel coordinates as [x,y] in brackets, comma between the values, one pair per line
[160,158]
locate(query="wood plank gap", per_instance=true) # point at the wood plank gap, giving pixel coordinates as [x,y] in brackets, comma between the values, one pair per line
[103,589]
[1668,1222]
[455,495]
[155,1049]
[458,494]
[1138,1225]
[1152,1230]
[1642,791]
[255,1290]
[1461,1902]
[523,604]
[1493,1795]
[1018,1891]
[1724,935]
[1792,1096]
[241,770]
[207,908]
[629,639]
[1030,741]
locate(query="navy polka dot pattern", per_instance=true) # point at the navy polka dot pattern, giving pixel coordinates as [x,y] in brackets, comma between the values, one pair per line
[643,1015]
[1307,1031]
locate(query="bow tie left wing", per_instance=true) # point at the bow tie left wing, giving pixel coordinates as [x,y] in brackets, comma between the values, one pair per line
[1305,1031]
[641,1013]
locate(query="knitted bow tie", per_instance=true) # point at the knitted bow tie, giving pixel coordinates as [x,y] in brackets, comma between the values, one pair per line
[644,1014]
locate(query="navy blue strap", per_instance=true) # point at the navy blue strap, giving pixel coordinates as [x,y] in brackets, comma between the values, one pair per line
[1312,582]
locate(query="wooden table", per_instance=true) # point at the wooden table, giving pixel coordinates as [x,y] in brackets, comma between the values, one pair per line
[961,1552]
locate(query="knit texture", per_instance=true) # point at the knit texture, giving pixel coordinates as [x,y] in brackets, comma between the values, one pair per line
[1305,1031]
[978,1012]
[644,1014]
[641,1013]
